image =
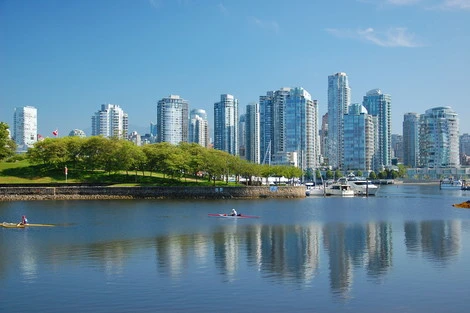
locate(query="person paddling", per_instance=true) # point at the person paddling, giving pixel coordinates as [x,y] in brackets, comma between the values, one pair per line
[234,213]
[24,220]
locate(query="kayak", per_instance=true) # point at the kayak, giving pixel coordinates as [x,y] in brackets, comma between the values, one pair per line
[232,216]
[16,225]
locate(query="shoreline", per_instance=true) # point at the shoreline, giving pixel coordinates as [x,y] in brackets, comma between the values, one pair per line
[128,193]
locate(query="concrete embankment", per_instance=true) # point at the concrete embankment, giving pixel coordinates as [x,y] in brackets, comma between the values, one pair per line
[101,192]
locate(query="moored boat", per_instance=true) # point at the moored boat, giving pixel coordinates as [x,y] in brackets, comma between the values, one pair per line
[360,186]
[339,189]
[451,184]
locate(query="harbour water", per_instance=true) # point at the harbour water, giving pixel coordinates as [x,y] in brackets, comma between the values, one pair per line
[404,250]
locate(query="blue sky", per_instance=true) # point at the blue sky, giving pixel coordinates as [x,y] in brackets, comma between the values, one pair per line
[66,58]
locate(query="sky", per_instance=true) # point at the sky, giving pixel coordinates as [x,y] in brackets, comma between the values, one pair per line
[66,58]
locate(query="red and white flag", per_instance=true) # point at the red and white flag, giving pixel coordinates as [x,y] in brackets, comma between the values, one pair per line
[55,132]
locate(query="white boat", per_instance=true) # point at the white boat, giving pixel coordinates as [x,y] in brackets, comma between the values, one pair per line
[339,189]
[451,183]
[360,186]
[315,191]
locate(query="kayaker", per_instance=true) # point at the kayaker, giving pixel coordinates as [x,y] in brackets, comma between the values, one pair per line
[24,220]
[233,213]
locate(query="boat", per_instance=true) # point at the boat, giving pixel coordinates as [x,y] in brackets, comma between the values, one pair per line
[17,225]
[223,215]
[463,205]
[450,183]
[314,190]
[360,186]
[339,189]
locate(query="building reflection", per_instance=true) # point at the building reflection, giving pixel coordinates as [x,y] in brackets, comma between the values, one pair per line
[438,241]
[280,253]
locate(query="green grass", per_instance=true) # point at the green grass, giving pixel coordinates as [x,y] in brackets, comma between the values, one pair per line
[22,172]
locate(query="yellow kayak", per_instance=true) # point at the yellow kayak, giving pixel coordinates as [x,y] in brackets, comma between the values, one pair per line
[17,225]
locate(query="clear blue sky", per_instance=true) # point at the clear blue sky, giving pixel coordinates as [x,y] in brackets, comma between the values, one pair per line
[66,58]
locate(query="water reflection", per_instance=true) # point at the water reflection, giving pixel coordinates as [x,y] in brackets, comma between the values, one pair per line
[438,241]
[282,254]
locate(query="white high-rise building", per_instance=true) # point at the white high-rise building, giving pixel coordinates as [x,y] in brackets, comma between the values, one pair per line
[199,127]
[339,98]
[25,127]
[172,120]
[439,138]
[110,122]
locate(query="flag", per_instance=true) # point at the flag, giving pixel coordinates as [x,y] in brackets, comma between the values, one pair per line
[55,132]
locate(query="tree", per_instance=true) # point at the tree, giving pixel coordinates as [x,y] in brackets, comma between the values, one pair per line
[7,145]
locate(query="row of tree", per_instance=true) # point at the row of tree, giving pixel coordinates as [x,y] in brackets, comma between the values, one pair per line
[115,155]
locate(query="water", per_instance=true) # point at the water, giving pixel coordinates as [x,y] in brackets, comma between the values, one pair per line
[405,250]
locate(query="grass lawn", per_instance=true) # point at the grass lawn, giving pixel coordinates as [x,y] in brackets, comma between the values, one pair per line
[22,172]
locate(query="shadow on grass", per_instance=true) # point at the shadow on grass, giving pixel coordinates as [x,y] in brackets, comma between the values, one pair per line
[38,172]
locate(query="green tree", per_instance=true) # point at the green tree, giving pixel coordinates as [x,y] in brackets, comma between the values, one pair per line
[7,145]
[51,152]
[329,174]
[94,152]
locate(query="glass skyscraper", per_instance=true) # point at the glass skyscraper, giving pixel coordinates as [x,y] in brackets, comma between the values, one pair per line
[411,139]
[252,133]
[289,131]
[380,105]
[359,139]
[172,120]
[226,124]
[339,98]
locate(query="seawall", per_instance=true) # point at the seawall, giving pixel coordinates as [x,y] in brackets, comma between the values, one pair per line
[106,192]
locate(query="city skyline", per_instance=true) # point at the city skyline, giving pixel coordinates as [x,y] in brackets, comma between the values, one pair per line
[65,60]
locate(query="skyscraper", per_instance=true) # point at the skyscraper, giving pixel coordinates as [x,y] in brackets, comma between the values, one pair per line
[226,124]
[199,127]
[411,139]
[25,127]
[380,105]
[359,139]
[301,128]
[271,108]
[339,98]
[242,136]
[252,133]
[439,138]
[110,121]
[172,120]
[289,128]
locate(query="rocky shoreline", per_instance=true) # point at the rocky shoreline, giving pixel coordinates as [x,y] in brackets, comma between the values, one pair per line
[38,193]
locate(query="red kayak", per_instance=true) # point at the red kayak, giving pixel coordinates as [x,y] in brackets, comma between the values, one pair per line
[232,216]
